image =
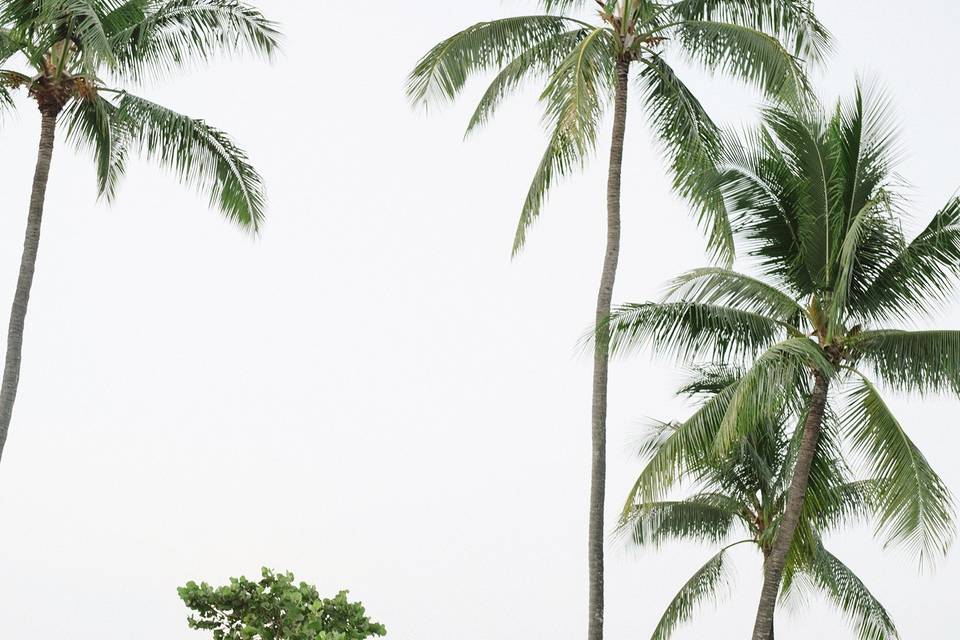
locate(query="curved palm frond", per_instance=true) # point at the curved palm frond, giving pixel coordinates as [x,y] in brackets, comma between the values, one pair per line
[691,330]
[769,385]
[791,21]
[912,361]
[199,154]
[703,518]
[91,124]
[160,36]
[685,446]
[691,142]
[921,277]
[701,587]
[539,60]
[445,69]
[746,53]
[914,507]
[851,254]
[719,286]
[847,591]
[575,97]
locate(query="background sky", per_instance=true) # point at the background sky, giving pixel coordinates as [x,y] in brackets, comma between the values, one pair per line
[372,394]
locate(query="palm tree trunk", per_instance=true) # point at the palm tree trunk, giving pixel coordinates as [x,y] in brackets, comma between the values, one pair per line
[773,566]
[28,261]
[601,359]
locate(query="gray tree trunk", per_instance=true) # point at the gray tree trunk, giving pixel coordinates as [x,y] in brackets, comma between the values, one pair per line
[601,359]
[28,261]
[773,567]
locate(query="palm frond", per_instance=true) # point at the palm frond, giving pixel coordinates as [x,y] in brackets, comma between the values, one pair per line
[746,53]
[791,21]
[691,331]
[921,278]
[773,382]
[847,591]
[91,124]
[199,154]
[691,142]
[166,35]
[445,69]
[719,286]
[914,507]
[539,60]
[685,447]
[575,97]
[701,587]
[706,519]
[912,361]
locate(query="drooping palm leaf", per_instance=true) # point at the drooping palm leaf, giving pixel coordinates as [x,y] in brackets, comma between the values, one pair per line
[199,154]
[915,507]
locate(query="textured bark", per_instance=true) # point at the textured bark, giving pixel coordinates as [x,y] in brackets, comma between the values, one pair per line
[28,261]
[773,567]
[601,359]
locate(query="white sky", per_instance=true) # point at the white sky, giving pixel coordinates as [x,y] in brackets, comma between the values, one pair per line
[373,395]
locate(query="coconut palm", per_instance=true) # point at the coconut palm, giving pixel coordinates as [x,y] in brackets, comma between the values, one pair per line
[739,499]
[70,55]
[815,204]
[585,65]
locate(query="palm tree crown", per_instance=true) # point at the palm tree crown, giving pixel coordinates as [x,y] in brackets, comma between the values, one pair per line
[814,204]
[739,498]
[71,53]
[760,42]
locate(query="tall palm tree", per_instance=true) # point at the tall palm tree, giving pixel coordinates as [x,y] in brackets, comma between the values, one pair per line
[814,200]
[585,66]
[68,56]
[739,499]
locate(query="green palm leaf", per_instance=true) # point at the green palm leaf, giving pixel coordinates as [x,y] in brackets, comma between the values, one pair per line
[747,53]
[200,155]
[915,507]
[719,286]
[701,587]
[702,518]
[692,330]
[157,37]
[575,96]
[870,619]
[91,124]
[539,60]
[691,141]
[919,279]
[791,21]
[912,361]
[445,69]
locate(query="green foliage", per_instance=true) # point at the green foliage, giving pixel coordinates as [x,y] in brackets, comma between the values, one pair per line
[761,43]
[814,205]
[275,608]
[76,52]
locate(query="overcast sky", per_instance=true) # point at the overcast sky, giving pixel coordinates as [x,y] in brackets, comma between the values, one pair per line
[373,395]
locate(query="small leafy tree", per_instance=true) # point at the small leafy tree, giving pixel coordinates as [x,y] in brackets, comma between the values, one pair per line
[275,608]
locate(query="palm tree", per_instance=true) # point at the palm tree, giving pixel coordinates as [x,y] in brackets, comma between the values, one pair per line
[813,199]
[71,53]
[587,65]
[739,499]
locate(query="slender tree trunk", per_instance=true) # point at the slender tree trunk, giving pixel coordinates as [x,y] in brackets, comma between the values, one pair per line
[28,261]
[773,566]
[601,359]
